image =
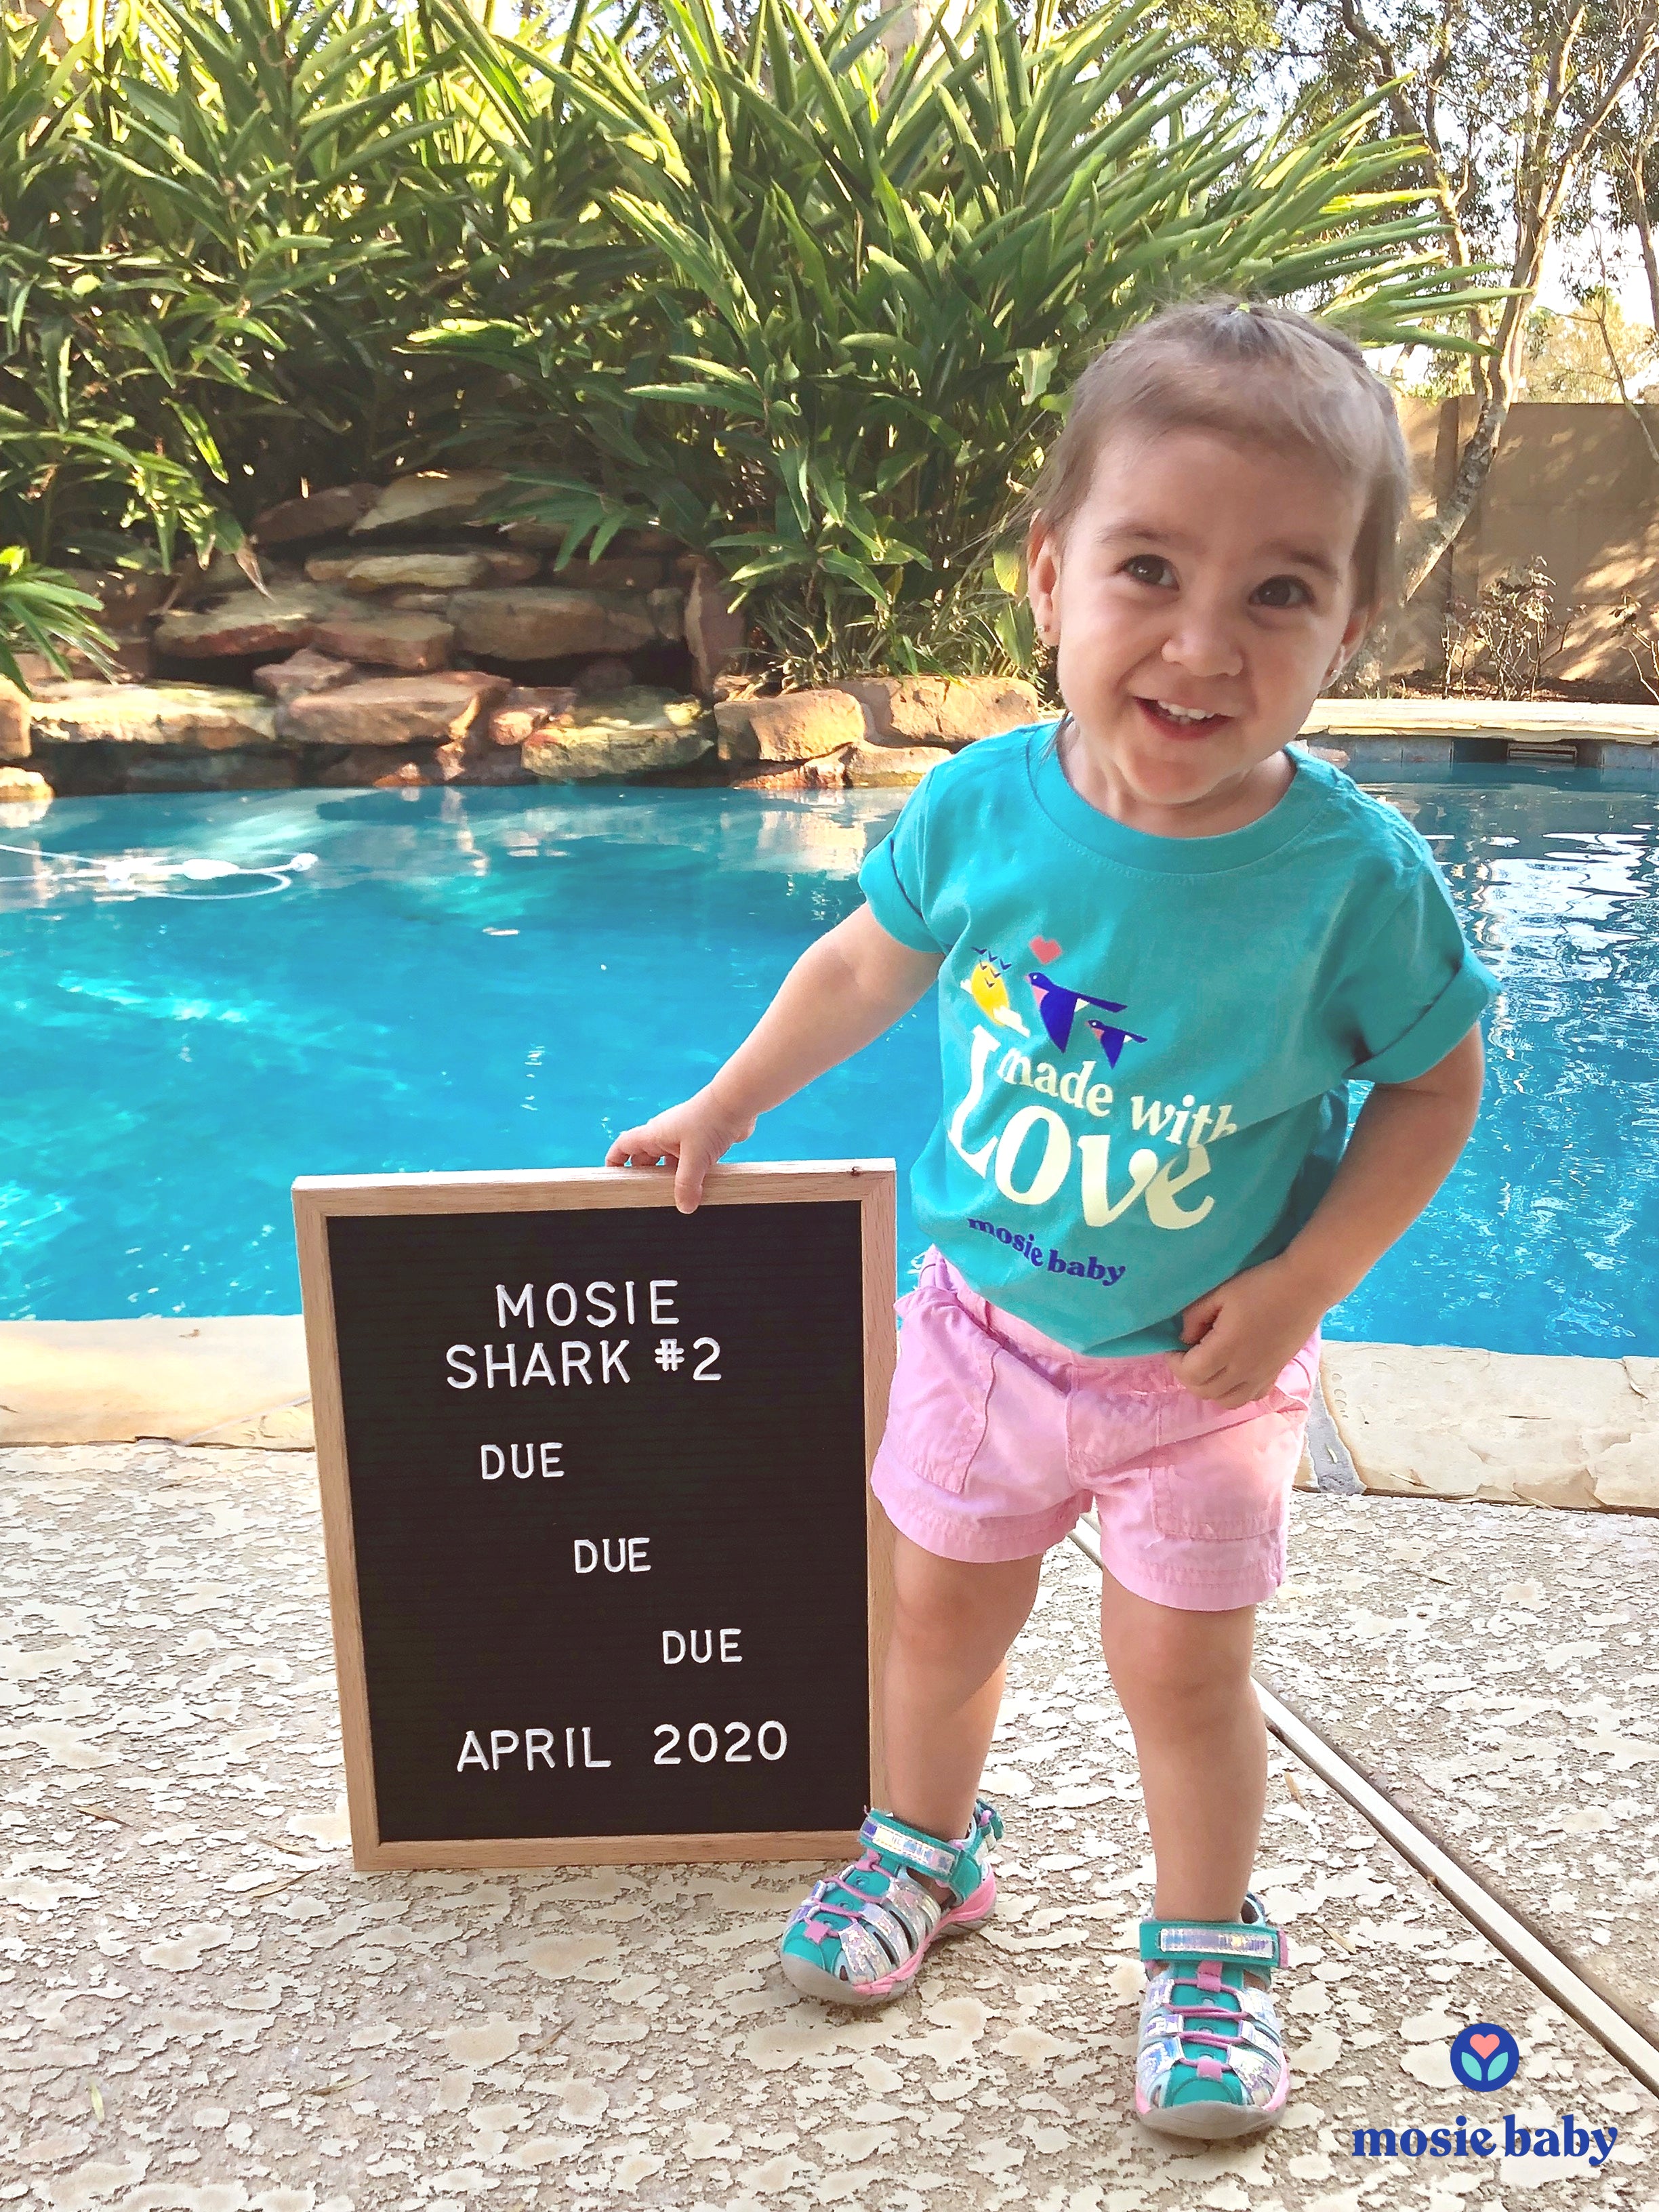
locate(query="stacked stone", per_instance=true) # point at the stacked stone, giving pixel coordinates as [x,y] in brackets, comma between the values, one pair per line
[385,635]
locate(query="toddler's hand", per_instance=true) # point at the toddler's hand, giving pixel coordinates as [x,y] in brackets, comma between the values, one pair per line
[689,1138]
[1242,1333]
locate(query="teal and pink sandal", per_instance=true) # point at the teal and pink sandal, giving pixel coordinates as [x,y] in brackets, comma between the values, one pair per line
[1212,2061]
[860,1937]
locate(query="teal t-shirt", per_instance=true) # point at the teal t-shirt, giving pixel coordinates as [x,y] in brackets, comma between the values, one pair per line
[1146,1040]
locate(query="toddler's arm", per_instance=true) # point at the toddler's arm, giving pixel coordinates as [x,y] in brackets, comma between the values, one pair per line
[839,995]
[1404,1145]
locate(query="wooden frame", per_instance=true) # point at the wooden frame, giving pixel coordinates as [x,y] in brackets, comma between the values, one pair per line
[317,1200]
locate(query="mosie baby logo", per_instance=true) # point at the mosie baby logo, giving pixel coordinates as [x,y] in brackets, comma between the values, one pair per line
[1486,2056]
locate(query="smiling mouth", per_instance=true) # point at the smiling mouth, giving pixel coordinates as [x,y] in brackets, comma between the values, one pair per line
[1181,721]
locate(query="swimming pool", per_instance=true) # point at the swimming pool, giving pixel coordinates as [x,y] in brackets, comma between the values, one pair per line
[207,995]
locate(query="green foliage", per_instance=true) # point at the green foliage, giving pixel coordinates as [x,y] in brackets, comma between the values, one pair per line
[1599,353]
[858,308]
[220,220]
[812,322]
[43,611]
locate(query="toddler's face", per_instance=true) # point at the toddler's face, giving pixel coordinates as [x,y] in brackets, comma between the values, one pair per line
[1203,598]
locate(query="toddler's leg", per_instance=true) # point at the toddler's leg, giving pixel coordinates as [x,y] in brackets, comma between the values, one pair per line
[1211,2059]
[1184,1679]
[942,1685]
[859,1937]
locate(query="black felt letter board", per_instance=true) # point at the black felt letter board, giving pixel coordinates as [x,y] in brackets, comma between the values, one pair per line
[615,1586]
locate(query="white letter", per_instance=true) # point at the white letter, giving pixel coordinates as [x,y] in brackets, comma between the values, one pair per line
[702,1658]
[502,1741]
[729,1651]
[588,1758]
[601,1320]
[636,1564]
[509,1367]
[538,1741]
[536,1369]
[1161,1208]
[659,1319]
[1100,1099]
[1095,1153]
[984,1045]
[1056,1156]
[672,1658]
[560,1321]
[611,1357]
[586,1544]
[490,1473]
[574,1353]
[472,1753]
[455,1355]
[1072,1086]
[550,1459]
[524,1305]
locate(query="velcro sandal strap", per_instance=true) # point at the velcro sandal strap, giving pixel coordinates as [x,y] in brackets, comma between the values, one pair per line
[1243,1942]
[883,1832]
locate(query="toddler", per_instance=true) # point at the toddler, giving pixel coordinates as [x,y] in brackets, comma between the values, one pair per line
[1164,942]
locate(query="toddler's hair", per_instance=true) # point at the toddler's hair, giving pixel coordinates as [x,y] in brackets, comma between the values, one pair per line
[1264,374]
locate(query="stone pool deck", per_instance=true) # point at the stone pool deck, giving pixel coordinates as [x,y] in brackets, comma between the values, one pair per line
[1421,1421]
[208,2009]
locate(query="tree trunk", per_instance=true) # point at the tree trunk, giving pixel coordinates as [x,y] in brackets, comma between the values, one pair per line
[69,19]
[902,32]
[1644,221]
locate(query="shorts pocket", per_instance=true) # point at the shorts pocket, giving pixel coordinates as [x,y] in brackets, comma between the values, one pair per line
[1229,1482]
[1293,1387]
[937,1406]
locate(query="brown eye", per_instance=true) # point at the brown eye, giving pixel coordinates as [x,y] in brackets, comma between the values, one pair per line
[1284,591]
[1149,569]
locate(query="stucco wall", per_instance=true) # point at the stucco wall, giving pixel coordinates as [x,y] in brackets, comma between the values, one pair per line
[1574,482]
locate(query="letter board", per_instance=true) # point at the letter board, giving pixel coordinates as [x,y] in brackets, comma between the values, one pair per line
[607,1581]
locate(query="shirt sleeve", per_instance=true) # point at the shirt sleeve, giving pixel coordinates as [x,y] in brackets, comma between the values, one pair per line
[893,878]
[1415,990]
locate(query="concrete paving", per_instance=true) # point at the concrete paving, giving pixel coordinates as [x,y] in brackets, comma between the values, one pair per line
[208,2009]
[1497,1672]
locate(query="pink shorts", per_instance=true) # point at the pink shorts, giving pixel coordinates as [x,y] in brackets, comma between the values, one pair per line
[997,1441]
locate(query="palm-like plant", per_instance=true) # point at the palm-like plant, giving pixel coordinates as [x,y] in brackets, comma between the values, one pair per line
[221,220]
[858,303]
[813,314]
[43,611]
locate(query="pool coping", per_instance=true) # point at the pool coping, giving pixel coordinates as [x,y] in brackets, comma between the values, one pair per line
[1444,1421]
[1543,719]
[1365,736]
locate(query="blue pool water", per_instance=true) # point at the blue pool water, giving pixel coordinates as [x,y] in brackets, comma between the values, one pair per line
[497,978]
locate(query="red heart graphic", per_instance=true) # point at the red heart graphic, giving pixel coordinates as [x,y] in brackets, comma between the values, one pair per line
[1045,948]
[1486,2045]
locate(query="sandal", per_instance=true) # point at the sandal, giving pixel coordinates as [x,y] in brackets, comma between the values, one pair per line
[1212,2060]
[860,1937]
